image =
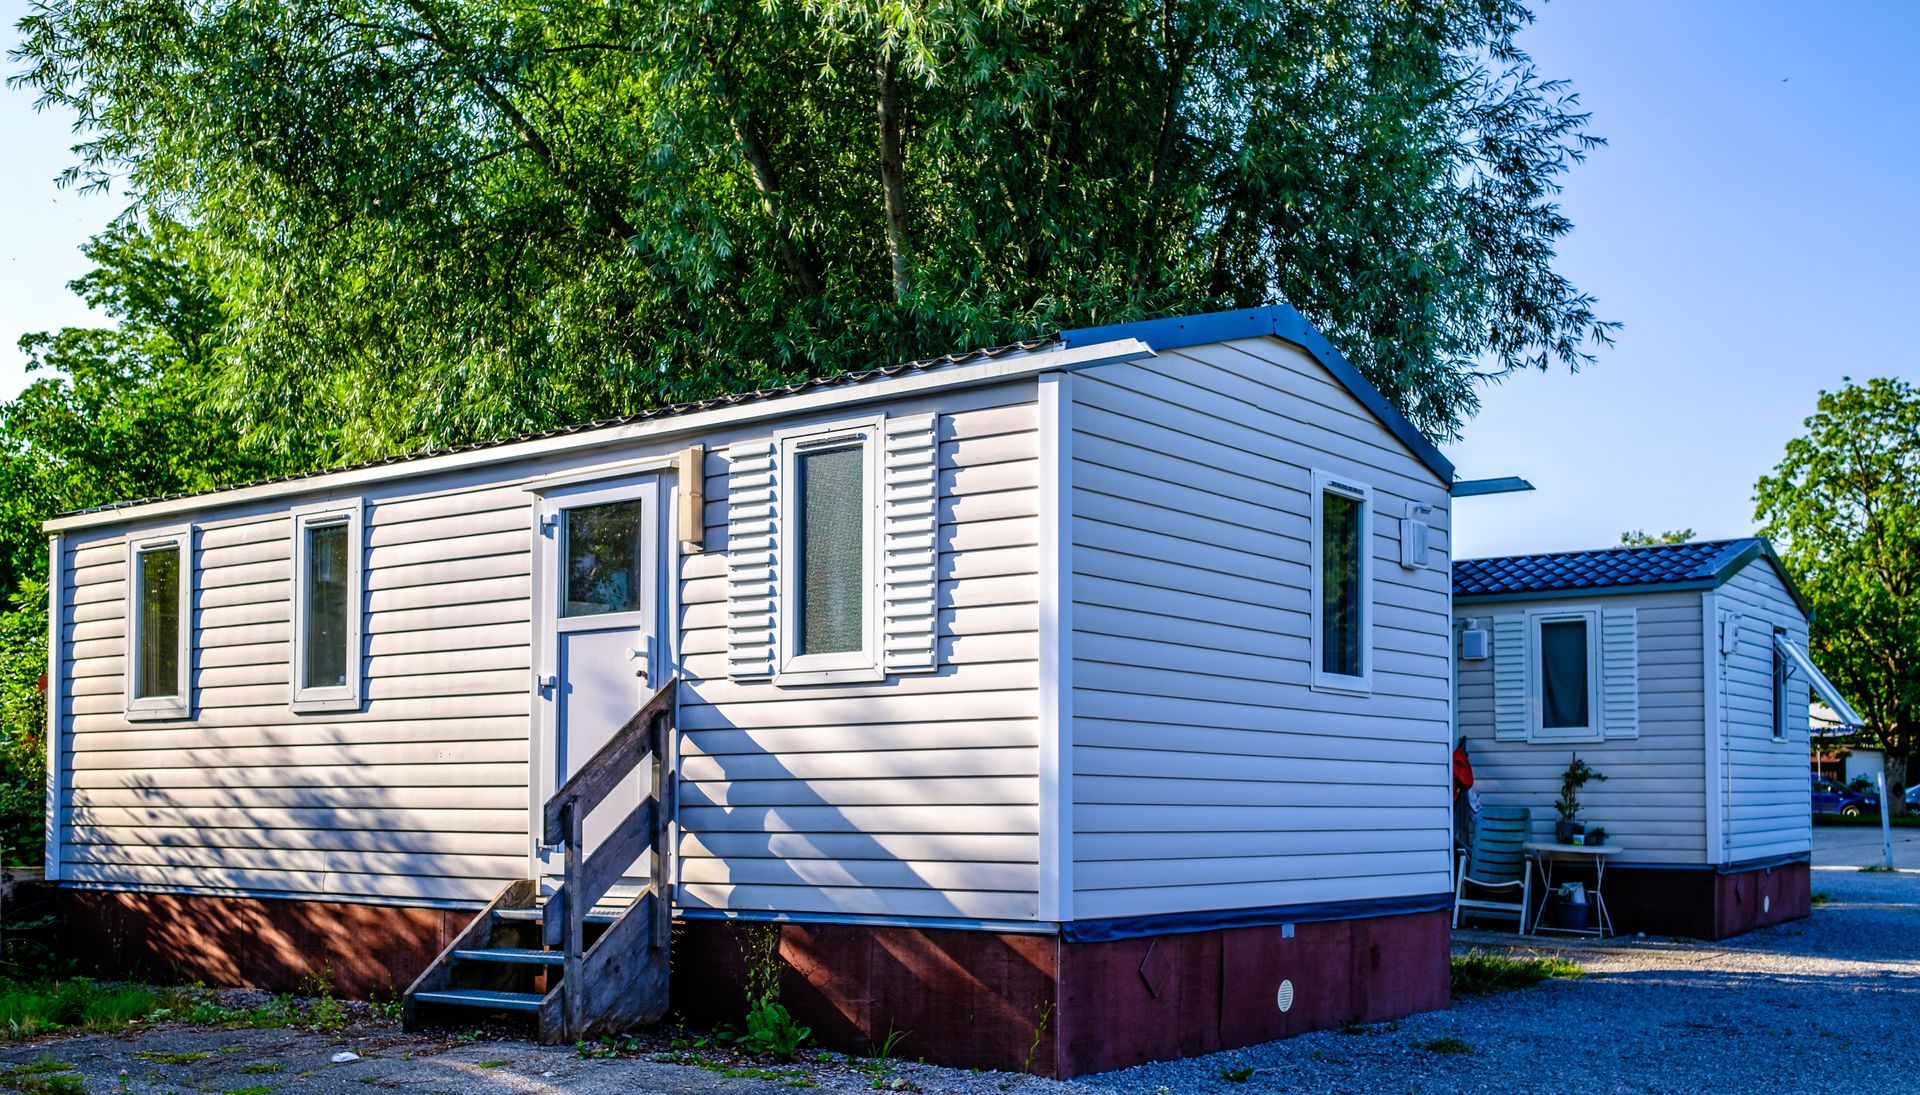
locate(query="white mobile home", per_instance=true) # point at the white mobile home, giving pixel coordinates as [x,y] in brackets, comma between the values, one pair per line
[1090,693]
[1680,673]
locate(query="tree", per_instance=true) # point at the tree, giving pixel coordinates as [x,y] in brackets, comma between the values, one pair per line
[1843,508]
[441,220]
[120,413]
[1642,538]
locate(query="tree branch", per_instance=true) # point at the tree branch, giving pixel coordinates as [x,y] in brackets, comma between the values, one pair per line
[892,172]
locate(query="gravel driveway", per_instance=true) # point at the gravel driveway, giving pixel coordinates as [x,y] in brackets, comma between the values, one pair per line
[1781,1009]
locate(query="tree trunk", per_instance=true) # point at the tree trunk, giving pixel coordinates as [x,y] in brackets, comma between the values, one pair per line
[893,173]
[1897,768]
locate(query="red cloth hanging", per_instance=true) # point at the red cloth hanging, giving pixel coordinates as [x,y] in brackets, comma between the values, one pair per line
[1462,769]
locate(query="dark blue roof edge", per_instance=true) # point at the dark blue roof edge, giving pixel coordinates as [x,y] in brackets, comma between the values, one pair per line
[1731,560]
[1281,321]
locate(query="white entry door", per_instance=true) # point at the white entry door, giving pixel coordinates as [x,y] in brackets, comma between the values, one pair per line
[598,622]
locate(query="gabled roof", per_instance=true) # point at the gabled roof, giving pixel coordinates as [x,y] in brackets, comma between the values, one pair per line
[1704,564]
[1283,322]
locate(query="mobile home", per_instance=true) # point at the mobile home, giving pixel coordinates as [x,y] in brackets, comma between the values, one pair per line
[1680,673]
[1079,702]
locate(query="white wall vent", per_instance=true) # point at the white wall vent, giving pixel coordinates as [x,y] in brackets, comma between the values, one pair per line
[1476,644]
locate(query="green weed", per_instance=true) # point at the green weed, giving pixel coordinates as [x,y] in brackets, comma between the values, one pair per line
[1448,1045]
[1478,973]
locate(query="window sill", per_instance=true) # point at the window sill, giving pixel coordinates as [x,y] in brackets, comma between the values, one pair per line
[313,705]
[151,711]
[1571,737]
[862,675]
[1343,686]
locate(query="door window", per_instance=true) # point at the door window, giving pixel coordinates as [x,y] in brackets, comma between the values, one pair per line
[603,559]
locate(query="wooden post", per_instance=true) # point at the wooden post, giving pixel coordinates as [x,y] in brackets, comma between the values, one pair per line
[574,991]
[657,882]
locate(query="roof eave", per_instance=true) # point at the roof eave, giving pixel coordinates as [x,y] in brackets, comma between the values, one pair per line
[1283,322]
[1584,592]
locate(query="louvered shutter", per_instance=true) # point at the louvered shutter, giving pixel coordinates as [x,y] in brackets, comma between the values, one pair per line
[909,544]
[1620,672]
[1510,678]
[753,549]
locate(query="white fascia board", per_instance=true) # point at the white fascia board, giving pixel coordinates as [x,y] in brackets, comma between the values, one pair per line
[915,382]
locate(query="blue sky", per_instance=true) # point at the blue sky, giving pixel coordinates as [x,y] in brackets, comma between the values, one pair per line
[1752,223]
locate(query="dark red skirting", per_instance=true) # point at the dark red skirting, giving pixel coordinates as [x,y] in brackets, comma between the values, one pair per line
[1704,903]
[1022,1002]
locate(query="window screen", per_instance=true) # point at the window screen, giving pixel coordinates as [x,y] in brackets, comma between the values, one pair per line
[157,672]
[324,643]
[603,559]
[830,491]
[1342,607]
[1563,675]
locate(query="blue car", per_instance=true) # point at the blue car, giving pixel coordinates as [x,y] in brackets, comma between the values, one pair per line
[1831,798]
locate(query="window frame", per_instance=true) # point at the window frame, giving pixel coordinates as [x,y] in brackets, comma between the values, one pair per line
[331,698]
[179,705]
[1595,730]
[1320,680]
[1782,678]
[791,667]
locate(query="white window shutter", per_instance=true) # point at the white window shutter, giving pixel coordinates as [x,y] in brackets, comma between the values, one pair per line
[1510,678]
[909,544]
[753,548]
[1620,672]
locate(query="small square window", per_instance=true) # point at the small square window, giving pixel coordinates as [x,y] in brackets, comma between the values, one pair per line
[604,557]
[159,624]
[326,607]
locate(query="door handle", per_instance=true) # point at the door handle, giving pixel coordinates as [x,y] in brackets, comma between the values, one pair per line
[643,655]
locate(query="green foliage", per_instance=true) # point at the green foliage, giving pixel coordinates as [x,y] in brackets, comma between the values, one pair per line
[1237,1075]
[1478,973]
[1446,1045]
[1843,509]
[439,220]
[772,1030]
[1640,537]
[29,1009]
[1577,776]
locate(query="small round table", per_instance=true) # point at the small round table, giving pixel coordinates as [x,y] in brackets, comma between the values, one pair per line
[1542,855]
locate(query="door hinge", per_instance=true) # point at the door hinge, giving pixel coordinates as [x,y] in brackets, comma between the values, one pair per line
[549,522]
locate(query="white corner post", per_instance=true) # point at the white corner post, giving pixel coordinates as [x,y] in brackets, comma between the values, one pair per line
[56,601]
[1056,649]
[1710,691]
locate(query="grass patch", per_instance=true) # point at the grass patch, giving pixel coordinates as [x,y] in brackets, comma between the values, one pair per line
[28,1009]
[256,1089]
[260,1068]
[51,1083]
[1477,973]
[1821,897]
[491,1064]
[791,1077]
[1904,821]
[1877,868]
[1237,1075]
[1445,1046]
[186,1057]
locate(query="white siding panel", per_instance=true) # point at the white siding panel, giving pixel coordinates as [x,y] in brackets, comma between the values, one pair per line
[421,795]
[1206,774]
[912,796]
[1653,802]
[1768,809]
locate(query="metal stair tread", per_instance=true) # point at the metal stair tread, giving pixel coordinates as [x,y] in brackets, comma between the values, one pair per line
[538,913]
[516,955]
[483,998]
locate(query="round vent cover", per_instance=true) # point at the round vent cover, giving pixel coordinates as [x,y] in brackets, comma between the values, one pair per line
[1285,996]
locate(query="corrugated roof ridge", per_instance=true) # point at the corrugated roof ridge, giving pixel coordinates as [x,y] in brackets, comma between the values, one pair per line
[669,410]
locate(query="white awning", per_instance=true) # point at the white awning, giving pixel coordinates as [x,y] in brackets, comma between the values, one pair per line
[1842,710]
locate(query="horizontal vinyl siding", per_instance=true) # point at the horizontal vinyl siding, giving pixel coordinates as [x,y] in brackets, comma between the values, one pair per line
[419,796]
[913,796]
[1769,808]
[1206,774]
[1653,803]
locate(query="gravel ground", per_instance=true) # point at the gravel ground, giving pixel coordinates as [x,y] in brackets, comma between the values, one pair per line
[1787,1008]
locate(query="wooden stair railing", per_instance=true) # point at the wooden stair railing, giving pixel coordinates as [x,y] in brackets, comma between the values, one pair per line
[621,980]
[608,984]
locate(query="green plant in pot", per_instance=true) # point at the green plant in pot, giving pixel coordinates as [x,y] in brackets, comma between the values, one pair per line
[1577,775]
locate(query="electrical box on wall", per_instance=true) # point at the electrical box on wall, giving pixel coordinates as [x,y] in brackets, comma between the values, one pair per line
[1416,541]
[1476,644]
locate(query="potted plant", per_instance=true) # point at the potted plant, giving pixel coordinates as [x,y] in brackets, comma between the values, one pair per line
[1577,775]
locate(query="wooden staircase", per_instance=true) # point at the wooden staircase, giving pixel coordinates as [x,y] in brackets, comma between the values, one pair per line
[581,969]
